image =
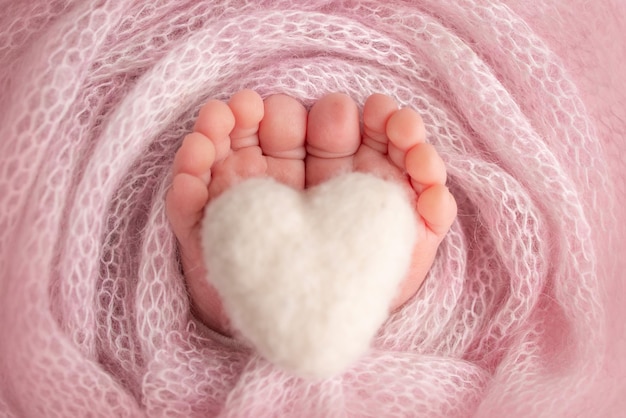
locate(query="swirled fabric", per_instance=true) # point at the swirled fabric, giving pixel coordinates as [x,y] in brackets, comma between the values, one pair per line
[522,312]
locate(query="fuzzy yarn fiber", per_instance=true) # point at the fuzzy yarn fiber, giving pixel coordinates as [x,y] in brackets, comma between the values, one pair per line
[522,313]
[307,277]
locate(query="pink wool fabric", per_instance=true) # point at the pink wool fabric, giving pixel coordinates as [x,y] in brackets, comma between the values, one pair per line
[522,312]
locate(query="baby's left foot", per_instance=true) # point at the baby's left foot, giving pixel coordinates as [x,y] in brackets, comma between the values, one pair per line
[392,145]
[244,138]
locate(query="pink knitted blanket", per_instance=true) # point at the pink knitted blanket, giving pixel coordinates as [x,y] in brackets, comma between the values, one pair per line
[523,312]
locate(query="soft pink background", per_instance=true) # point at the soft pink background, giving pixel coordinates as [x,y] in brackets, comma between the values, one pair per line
[94,98]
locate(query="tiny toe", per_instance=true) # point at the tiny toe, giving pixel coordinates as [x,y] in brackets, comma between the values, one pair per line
[333,127]
[216,121]
[247,108]
[195,157]
[438,208]
[282,131]
[377,110]
[425,166]
[185,202]
[405,129]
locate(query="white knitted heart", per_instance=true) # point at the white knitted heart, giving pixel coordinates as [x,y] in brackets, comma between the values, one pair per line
[308,277]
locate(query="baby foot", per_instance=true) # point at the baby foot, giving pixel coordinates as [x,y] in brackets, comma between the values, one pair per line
[391,146]
[247,137]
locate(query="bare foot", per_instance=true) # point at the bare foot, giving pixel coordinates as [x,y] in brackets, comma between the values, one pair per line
[391,146]
[249,138]
[231,142]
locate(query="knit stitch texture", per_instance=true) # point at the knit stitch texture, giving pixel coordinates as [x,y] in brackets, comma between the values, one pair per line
[522,312]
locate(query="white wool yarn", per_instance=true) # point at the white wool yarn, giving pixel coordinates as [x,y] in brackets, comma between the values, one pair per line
[308,277]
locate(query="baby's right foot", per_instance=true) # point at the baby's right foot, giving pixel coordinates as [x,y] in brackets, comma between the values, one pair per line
[231,142]
[392,146]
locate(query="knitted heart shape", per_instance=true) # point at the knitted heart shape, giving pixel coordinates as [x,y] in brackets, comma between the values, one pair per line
[308,277]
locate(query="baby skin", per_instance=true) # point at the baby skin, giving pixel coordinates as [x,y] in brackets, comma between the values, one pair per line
[251,137]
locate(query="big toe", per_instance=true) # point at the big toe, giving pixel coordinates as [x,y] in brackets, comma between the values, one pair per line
[283,129]
[333,137]
[333,129]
